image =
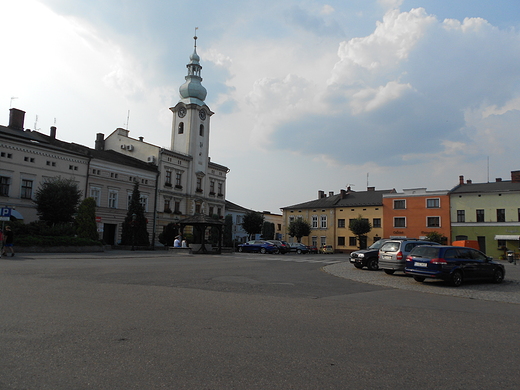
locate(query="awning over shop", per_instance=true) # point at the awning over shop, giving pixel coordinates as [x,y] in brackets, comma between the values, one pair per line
[508,237]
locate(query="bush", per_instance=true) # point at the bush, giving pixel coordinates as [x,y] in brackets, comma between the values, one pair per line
[46,241]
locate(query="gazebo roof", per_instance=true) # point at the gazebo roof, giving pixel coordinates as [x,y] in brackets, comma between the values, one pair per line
[201,219]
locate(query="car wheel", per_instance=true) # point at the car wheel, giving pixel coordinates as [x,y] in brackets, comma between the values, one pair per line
[498,276]
[419,278]
[389,271]
[373,264]
[277,251]
[299,251]
[240,249]
[358,265]
[262,250]
[456,279]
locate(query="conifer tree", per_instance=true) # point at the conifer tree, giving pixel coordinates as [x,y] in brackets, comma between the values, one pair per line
[134,228]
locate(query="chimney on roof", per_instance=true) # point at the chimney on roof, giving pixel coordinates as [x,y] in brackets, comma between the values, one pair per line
[343,194]
[498,179]
[371,188]
[468,181]
[331,193]
[348,189]
[515,176]
[321,194]
[16,118]
[461,180]
[141,139]
[100,141]
[53,132]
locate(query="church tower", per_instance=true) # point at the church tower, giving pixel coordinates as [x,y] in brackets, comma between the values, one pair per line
[191,117]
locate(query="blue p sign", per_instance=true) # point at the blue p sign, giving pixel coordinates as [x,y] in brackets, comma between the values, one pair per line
[5,212]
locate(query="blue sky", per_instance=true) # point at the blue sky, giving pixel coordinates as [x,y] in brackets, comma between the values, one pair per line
[307,95]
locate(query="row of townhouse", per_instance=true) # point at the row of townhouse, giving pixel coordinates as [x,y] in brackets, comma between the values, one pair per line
[485,212]
[175,183]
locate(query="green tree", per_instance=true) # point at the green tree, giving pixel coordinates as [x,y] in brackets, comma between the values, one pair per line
[134,230]
[360,227]
[167,236]
[299,228]
[57,200]
[228,230]
[268,231]
[437,237]
[252,223]
[86,219]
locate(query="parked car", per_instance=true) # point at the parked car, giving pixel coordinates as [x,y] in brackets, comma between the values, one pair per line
[327,249]
[312,248]
[282,245]
[258,246]
[298,247]
[453,264]
[392,255]
[368,257]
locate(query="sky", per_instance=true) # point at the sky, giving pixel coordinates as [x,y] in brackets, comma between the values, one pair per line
[308,95]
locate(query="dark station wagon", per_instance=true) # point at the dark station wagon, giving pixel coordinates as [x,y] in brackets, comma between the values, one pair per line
[452,264]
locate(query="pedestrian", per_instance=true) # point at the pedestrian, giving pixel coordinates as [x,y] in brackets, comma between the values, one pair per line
[184,244]
[8,241]
[177,242]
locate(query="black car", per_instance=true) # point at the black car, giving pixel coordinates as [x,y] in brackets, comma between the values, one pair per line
[298,248]
[282,245]
[454,264]
[367,257]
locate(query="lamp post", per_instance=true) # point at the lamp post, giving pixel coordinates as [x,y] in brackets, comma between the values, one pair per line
[134,217]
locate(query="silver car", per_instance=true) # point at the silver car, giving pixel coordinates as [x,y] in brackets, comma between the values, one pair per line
[392,255]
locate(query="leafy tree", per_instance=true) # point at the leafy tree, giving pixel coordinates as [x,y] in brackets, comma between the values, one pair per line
[299,228]
[268,231]
[134,228]
[228,230]
[252,223]
[167,236]
[360,227]
[86,219]
[437,237]
[57,200]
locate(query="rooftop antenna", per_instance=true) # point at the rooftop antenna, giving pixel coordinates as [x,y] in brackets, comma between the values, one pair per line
[127,120]
[11,103]
[36,124]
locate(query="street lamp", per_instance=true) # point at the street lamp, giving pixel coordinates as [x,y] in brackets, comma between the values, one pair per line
[134,217]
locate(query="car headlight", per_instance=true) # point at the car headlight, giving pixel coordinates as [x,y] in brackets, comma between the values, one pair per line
[360,255]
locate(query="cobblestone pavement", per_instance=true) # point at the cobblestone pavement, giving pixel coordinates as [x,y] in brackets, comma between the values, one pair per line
[508,291]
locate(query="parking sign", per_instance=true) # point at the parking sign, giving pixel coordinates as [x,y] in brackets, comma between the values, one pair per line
[5,214]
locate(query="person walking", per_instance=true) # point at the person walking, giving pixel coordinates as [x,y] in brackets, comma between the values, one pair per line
[8,241]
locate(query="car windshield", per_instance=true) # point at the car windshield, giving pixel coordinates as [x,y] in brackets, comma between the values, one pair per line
[376,245]
[390,246]
[425,251]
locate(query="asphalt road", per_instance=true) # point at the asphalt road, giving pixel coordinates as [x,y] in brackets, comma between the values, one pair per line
[128,320]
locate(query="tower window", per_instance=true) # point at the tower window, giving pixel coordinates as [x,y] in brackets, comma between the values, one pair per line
[201,130]
[181,128]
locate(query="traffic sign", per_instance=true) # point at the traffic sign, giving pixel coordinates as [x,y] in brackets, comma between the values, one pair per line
[5,214]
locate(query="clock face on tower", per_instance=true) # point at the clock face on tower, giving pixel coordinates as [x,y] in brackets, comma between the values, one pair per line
[202,114]
[182,112]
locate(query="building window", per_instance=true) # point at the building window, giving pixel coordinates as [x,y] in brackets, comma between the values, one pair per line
[315,221]
[352,241]
[144,202]
[219,211]
[341,241]
[177,209]
[197,208]
[201,130]
[168,179]
[220,193]
[341,223]
[167,206]
[480,215]
[212,187]
[178,180]
[112,199]
[323,241]
[314,241]
[323,222]
[400,204]
[433,221]
[27,186]
[399,222]
[95,193]
[501,215]
[180,129]
[376,222]
[199,184]
[461,216]
[433,203]
[211,211]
